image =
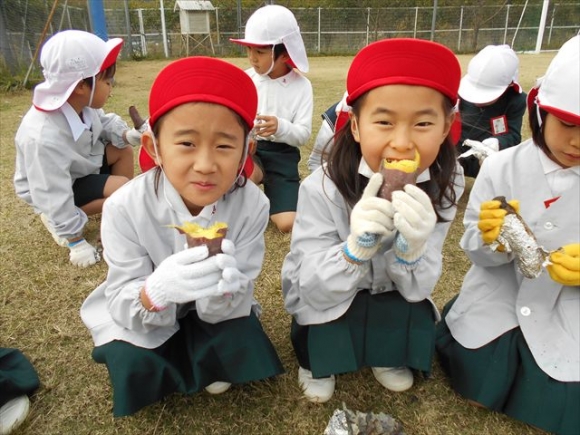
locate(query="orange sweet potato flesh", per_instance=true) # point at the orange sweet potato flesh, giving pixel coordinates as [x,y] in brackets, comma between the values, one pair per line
[397,174]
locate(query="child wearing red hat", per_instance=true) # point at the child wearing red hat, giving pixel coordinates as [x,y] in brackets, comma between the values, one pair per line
[510,340]
[491,105]
[169,318]
[70,155]
[285,102]
[361,268]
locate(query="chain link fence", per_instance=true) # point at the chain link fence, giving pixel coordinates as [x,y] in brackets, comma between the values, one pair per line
[149,33]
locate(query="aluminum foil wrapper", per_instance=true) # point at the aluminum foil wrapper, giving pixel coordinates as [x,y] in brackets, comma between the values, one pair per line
[517,238]
[347,422]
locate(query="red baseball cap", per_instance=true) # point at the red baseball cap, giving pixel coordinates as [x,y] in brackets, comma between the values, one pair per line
[404,61]
[203,79]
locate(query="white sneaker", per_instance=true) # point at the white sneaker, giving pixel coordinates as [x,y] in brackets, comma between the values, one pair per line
[316,390]
[13,413]
[60,241]
[218,387]
[394,378]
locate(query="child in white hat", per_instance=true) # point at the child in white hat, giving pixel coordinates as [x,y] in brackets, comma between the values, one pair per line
[491,104]
[285,102]
[511,342]
[70,155]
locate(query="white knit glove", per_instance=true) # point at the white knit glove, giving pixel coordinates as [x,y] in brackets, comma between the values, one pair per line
[190,275]
[230,282]
[371,219]
[415,220]
[83,254]
[133,136]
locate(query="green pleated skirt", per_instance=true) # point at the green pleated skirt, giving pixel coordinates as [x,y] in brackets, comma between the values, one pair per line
[503,376]
[17,375]
[200,353]
[382,330]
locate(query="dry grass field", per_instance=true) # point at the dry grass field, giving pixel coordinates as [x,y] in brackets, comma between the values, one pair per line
[41,293]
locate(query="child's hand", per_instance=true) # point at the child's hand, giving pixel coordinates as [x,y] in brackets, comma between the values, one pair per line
[565,267]
[83,254]
[491,219]
[133,137]
[415,220]
[266,125]
[187,276]
[371,218]
[230,282]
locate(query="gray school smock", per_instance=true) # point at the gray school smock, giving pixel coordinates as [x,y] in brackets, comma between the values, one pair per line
[53,149]
[319,285]
[136,238]
[323,138]
[291,100]
[495,296]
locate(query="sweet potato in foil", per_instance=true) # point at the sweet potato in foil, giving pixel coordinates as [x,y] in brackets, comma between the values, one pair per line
[516,237]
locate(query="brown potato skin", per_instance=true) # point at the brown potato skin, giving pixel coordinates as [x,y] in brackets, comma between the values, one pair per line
[393,180]
[214,246]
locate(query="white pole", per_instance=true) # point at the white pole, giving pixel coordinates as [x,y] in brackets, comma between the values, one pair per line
[460,29]
[163,29]
[368,24]
[142,33]
[415,23]
[507,20]
[319,37]
[542,25]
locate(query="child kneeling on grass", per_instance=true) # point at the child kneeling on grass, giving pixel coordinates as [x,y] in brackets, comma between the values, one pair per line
[70,155]
[511,343]
[361,269]
[168,318]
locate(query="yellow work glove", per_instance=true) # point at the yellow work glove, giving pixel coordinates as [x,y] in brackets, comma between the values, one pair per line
[491,219]
[565,267]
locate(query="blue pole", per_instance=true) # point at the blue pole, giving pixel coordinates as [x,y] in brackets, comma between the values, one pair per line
[97,16]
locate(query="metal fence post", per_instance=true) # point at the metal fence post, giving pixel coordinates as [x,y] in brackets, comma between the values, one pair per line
[434,19]
[507,17]
[460,29]
[163,28]
[319,40]
[542,25]
[217,25]
[142,32]
[551,25]
[368,24]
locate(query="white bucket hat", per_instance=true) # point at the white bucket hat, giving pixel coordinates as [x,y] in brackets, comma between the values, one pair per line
[558,92]
[272,25]
[67,58]
[489,73]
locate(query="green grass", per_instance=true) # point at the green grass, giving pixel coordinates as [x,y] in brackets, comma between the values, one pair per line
[41,293]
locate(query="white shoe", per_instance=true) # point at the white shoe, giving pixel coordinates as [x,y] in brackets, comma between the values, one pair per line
[60,241]
[316,390]
[394,378]
[218,387]
[13,413]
